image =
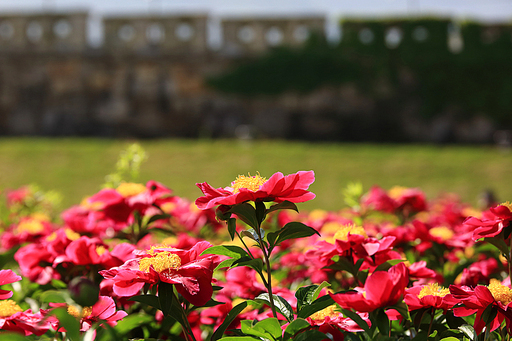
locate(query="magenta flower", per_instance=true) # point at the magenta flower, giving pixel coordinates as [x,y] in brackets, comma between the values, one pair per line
[278,188]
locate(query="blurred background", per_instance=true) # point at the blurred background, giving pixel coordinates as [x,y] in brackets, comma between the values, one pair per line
[414,93]
[324,70]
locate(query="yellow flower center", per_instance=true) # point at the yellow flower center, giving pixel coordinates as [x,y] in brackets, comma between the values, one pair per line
[252,183]
[30,226]
[508,205]
[100,250]
[500,292]
[396,192]
[129,189]
[40,216]
[322,314]
[72,235]
[9,308]
[160,261]
[345,230]
[433,289]
[73,311]
[317,214]
[441,232]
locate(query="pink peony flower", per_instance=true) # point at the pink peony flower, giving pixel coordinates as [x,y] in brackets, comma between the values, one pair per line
[277,188]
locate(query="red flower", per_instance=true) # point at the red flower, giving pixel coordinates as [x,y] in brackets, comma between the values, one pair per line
[7,277]
[277,188]
[381,289]
[478,299]
[492,223]
[186,269]
[429,296]
[330,317]
[104,309]
[13,318]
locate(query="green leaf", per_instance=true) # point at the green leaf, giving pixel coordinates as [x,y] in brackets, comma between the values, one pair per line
[56,296]
[7,336]
[500,244]
[280,303]
[402,309]
[387,264]
[272,326]
[251,233]
[165,297]
[271,238]
[357,319]
[450,338]
[322,285]
[228,320]
[249,329]
[158,217]
[246,213]
[317,305]
[225,263]
[489,314]
[469,331]
[260,211]
[305,295]
[232,251]
[256,263]
[310,335]
[294,327]
[68,322]
[238,338]
[295,230]
[131,322]
[232,227]
[380,319]
[285,205]
[151,300]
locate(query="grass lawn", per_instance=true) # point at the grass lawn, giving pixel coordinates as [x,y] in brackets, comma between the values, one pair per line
[77,167]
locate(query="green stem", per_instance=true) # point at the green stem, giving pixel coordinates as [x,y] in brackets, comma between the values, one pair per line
[432,311]
[189,335]
[269,270]
[269,281]
[248,250]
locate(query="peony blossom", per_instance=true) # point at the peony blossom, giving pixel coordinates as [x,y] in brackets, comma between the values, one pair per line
[190,272]
[478,299]
[492,223]
[381,289]
[429,296]
[7,277]
[278,188]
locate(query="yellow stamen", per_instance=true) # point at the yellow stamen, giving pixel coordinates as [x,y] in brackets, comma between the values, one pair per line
[441,232]
[73,311]
[160,261]
[40,216]
[51,237]
[72,235]
[433,289]
[252,183]
[345,230]
[9,308]
[396,192]
[500,292]
[322,314]
[100,250]
[317,214]
[30,226]
[129,189]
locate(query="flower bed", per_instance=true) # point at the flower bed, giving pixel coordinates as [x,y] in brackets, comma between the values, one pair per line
[134,261]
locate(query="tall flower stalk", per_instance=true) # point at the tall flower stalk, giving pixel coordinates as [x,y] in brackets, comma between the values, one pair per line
[246,199]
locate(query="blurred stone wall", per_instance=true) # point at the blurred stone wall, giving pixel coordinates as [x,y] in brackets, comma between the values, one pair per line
[148,80]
